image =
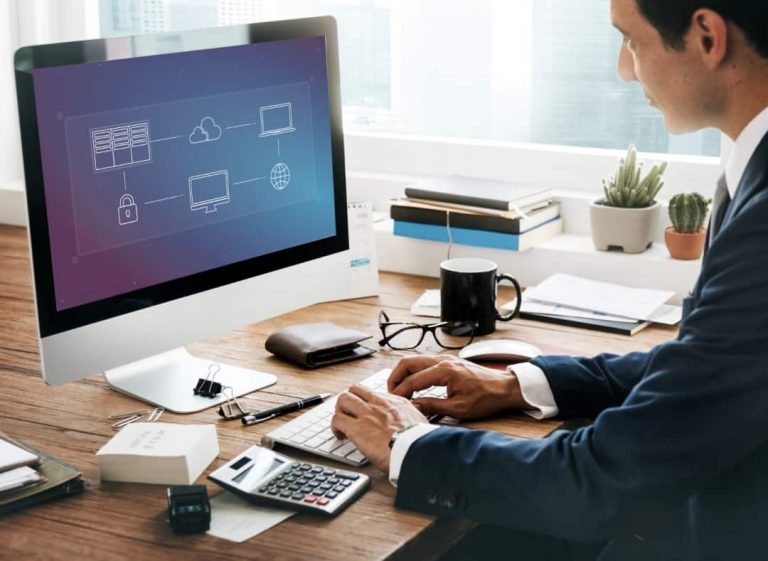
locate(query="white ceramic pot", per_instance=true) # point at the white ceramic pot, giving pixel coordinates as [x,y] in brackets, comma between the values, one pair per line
[630,230]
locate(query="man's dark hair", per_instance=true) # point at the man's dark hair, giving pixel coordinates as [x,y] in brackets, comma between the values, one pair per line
[672,19]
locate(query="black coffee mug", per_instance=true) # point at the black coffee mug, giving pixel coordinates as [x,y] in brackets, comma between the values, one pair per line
[468,293]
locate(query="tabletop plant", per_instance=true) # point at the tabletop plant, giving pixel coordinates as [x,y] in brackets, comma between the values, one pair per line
[688,211]
[627,216]
[627,188]
[685,238]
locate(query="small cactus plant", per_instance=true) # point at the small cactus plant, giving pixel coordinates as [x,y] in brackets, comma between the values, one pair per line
[688,211]
[627,189]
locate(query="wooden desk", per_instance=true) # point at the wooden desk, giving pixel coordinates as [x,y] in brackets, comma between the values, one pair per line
[126,521]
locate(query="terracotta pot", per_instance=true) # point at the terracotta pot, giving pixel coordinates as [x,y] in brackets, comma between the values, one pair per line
[629,229]
[685,246]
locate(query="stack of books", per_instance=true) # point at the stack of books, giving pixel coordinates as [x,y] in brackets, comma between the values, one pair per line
[477,212]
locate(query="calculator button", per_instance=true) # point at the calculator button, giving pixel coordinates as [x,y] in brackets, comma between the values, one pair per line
[306,489]
[346,483]
[290,479]
[339,489]
[333,480]
[286,494]
[310,499]
[322,501]
[302,481]
[294,487]
[273,491]
[264,489]
[313,483]
[320,478]
[317,469]
[282,484]
[331,494]
[305,467]
[297,496]
[329,471]
[348,475]
[326,486]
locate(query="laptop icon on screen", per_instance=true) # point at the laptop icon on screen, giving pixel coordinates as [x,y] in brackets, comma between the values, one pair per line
[276,119]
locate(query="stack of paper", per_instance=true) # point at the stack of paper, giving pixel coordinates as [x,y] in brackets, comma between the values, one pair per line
[577,301]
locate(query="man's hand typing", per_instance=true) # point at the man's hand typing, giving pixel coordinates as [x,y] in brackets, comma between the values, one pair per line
[473,391]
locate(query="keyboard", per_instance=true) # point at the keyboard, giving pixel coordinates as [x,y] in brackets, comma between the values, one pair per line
[311,431]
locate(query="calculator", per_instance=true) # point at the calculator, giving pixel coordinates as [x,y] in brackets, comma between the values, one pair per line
[262,476]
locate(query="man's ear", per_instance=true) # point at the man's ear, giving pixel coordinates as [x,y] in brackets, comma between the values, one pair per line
[709,36]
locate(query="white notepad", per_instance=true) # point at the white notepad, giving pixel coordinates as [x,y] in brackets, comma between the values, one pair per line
[11,456]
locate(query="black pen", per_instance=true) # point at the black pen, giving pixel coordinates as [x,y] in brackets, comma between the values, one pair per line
[261,416]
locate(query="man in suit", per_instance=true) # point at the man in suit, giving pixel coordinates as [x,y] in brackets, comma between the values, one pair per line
[675,464]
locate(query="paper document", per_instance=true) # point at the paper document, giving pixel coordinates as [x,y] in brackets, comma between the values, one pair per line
[666,314]
[11,456]
[363,277]
[428,304]
[236,520]
[608,298]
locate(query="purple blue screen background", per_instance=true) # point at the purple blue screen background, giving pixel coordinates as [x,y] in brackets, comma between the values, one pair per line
[94,257]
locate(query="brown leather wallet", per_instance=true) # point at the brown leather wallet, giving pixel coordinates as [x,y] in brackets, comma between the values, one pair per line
[317,344]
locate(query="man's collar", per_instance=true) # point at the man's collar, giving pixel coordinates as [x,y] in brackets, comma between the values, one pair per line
[743,149]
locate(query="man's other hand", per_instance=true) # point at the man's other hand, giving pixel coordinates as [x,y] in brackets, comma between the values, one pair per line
[370,419]
[473,391]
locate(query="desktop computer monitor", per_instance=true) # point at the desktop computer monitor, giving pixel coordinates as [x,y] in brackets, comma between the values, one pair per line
[179,185]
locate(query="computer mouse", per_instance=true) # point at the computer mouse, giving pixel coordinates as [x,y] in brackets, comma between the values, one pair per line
[508,351]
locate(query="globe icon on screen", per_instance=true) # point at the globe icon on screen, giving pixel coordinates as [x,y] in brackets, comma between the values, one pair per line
[280,176]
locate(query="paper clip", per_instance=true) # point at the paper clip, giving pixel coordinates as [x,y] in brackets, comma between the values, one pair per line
[206,387]
[227,409]
[127,418]
[125,414]
[155,415]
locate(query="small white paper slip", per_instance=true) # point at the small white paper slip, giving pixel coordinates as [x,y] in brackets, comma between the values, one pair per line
[11,456]
[608,298]
[18,477]
[236,520]
[428,304]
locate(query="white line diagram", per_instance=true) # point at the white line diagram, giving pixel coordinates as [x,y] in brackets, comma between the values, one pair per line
[208,191]
[276,119]
[120,146]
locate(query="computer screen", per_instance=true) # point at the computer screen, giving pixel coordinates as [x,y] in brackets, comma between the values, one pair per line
[153,176]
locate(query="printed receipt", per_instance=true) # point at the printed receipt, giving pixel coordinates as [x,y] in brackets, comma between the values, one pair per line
[234,519]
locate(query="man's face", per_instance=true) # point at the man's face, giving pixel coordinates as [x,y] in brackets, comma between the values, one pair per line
[673,81]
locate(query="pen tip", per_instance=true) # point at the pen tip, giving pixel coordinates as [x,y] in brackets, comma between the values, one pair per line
[326,395]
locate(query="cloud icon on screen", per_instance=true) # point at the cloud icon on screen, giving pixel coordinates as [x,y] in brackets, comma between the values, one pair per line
[206,131]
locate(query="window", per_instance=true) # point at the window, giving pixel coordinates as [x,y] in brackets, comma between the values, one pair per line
[531,71]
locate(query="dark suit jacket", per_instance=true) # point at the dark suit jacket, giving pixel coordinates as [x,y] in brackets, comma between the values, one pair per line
[675,465]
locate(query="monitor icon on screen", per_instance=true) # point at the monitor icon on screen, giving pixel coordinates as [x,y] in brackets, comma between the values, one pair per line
[209,190]
[276,119]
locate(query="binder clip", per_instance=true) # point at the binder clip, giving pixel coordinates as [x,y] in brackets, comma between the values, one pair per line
[231,409]
[207,387]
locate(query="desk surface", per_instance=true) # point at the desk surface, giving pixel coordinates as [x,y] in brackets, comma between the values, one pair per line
[119,521]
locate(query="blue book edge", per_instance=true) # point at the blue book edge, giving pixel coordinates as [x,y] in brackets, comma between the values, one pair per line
[464,236]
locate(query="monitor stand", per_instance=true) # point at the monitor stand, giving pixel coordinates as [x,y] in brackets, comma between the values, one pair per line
[168,380]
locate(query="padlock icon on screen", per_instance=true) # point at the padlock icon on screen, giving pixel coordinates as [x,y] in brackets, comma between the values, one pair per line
[127,212]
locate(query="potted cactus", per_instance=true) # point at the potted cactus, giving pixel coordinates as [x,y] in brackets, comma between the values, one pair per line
[627,217]
[685,238]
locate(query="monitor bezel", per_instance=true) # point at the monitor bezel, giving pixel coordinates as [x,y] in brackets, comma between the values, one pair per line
[53,321]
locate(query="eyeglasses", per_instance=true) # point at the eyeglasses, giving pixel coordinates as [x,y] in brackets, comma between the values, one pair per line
[402,336]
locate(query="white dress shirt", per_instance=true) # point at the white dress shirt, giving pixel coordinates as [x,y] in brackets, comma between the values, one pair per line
[533,383]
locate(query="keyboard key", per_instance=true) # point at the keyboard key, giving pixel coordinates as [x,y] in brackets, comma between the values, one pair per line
[315,442]
[344,450]
[332,444]
[356,456]
[351,475]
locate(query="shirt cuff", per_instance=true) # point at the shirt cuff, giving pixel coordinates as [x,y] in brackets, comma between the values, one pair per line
[402,444]
[535,390]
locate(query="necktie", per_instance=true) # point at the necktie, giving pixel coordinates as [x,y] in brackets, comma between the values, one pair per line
[720,203]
